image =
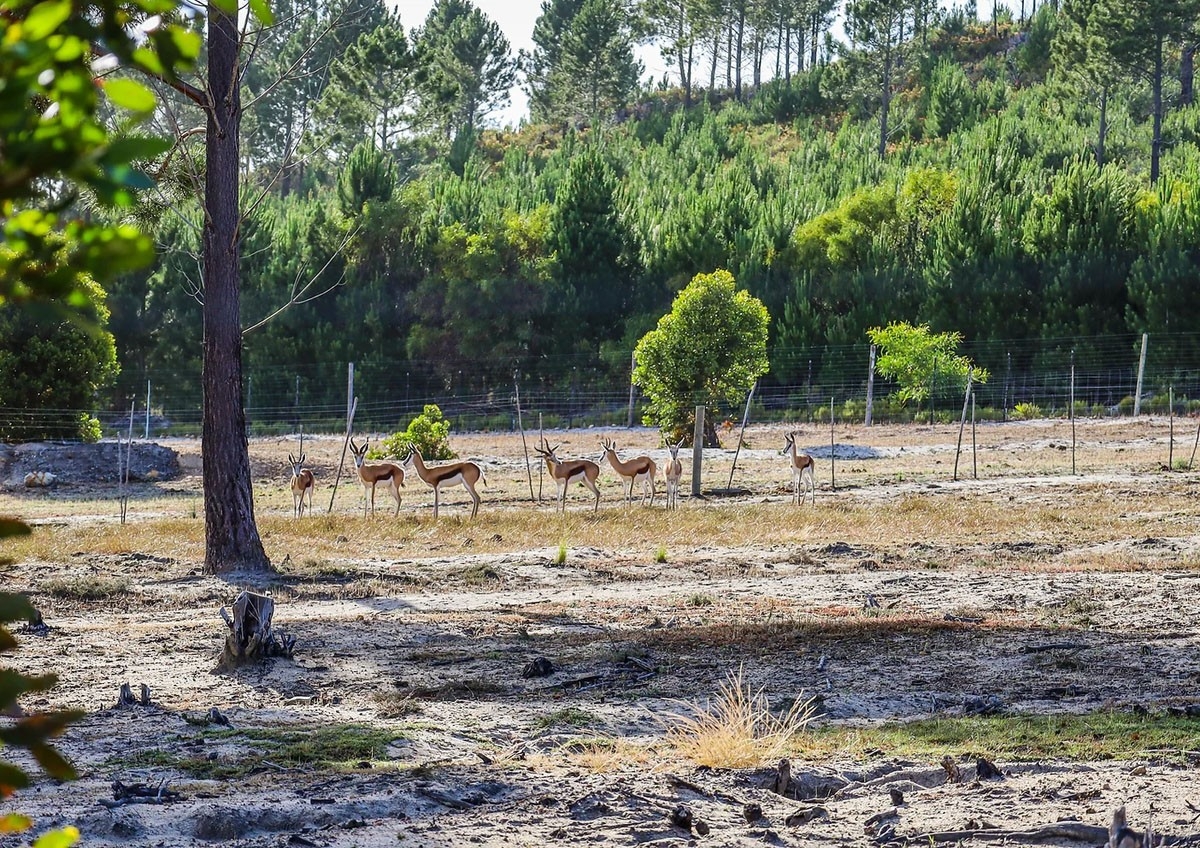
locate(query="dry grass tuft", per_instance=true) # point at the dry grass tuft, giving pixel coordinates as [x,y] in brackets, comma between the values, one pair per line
[89,588]
[738,729]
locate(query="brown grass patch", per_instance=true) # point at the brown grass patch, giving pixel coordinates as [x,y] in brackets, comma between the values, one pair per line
[737,728]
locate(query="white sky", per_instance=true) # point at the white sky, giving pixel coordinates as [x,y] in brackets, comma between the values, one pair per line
[516,19]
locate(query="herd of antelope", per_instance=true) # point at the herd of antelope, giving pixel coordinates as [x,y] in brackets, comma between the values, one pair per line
[640,470]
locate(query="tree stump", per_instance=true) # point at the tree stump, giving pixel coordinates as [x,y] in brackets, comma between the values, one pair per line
[251,638]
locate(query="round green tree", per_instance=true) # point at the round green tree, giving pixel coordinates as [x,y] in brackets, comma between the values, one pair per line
[52,362]
[708,350]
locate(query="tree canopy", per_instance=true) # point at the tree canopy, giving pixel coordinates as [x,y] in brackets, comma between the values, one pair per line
[709,349]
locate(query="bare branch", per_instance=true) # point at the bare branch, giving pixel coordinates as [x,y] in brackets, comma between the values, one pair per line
[301,296]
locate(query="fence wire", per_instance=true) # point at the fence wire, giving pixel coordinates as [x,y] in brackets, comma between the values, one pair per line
[1026,379]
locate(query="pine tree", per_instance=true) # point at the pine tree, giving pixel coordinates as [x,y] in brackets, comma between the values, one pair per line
[467,67]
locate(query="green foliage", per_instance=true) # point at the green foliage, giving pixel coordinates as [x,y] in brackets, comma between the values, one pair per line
[369,176]
[591,69]
[466,67]
[1027,412]
[51,364]
[50,135]
[709,349]
[1033,57]
[428,432]
[33,733]
[952,102]
[919,359]
[370,89]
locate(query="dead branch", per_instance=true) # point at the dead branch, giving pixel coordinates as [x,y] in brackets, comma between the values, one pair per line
[683,783]
[1075,831]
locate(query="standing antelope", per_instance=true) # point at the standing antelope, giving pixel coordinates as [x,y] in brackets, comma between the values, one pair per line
[302,481]
[639,470]
[467,473]
[569,471]
[802,468]
[377,472]
[673,471]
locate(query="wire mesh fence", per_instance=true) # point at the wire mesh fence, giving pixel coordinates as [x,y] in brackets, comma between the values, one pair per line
[1024,379]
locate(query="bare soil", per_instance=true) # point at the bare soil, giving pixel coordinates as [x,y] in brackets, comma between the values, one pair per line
[901,594]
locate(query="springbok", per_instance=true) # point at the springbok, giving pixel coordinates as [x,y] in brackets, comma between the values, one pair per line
[673,471]
[566,472]
[802,468]
[302,481]
[376,472]
[467,473]
[639,470]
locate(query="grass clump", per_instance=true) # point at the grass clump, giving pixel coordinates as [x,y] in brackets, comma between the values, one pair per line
[660,555]
[90,588]
[737,729]
[330,748]
[560,558]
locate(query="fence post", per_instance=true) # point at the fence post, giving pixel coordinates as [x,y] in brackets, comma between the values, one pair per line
[741,434]
[147,436]
[1137,397]
[521,427]
[697,451]
[974,450]
[632,368]
[962,421]
[349,393]
[342,463]
[1071,412]
[1007,385]
[1171,428]
[932,389]
[870,387]
[832,451]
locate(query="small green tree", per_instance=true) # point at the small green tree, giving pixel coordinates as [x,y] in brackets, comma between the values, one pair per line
[51,366]
[709,349]
[429,433]
[918,358]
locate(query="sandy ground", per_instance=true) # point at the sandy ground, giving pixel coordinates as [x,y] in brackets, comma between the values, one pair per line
[876,627]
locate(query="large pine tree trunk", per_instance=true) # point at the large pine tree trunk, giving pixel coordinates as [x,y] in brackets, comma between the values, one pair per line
[231,536]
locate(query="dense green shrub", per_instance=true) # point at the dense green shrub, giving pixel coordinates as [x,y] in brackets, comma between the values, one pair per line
[429,433]
[52,363]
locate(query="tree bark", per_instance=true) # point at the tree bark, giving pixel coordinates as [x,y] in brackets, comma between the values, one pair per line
[1103,127]
[231,536]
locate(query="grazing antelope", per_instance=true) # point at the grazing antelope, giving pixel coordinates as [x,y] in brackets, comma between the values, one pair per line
[377,472]
[569,471]
[467,473]
[639,470]
[673,471]
[302,481]
[802,469]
